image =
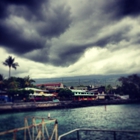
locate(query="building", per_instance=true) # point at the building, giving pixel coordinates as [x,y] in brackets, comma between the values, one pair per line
[51,85]
[82,95]
[40,95]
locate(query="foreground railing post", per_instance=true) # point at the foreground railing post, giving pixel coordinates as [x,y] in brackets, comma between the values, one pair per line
[114,135]
[56,130]
[14,135]
[78,137]
[25,129]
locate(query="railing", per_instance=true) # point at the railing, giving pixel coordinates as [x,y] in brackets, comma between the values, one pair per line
[36,130]
[99,130]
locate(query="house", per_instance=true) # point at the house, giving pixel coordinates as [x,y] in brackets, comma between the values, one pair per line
[98,90]
[39,95]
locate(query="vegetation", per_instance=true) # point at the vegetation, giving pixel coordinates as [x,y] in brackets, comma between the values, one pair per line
[15,83]
[1,82]
[109,89]
[130,86]
[19,94]
[14,86]
[10,63]
[65,94]
[28,82]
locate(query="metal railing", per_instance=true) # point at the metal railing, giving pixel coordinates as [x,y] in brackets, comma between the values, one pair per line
[99,130]
[36,130]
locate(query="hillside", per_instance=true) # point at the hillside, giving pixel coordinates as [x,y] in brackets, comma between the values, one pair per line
[83,80]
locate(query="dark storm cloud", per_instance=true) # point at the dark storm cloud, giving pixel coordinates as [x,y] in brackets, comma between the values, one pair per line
[15,42]
[114,38]
[56,24]
[70,55]
[45,20]
[122,8]
[32,5]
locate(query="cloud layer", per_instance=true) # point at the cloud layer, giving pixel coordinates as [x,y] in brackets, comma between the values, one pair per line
[68,35]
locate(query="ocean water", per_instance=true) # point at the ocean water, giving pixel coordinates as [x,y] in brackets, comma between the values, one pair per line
[118,117]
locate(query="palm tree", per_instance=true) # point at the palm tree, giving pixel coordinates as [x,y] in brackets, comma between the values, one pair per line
[28,81]
[10,63]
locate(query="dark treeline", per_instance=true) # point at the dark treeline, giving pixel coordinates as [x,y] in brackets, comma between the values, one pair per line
[14,86]
[129,85]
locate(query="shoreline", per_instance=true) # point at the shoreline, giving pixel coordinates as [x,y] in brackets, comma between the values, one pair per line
[38,106]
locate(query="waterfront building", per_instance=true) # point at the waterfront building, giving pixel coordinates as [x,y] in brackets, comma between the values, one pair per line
[82,95]
[40,95]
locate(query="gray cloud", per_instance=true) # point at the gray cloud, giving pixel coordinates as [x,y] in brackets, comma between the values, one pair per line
[29,28]
[122,8]
[42,20]
[69,55]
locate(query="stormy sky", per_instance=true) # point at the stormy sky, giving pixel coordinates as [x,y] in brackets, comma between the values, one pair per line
[50,38]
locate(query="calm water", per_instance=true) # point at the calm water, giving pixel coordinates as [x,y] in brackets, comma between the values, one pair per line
[122,117]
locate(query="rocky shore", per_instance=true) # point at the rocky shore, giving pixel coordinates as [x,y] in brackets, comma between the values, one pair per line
[34,106]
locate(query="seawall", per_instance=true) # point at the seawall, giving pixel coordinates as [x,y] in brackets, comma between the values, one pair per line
[33,106]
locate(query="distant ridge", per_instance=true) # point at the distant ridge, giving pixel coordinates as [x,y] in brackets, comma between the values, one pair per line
[86,76]
[83,79]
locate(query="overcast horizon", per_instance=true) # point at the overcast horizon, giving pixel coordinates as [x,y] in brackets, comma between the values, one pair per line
[50,38]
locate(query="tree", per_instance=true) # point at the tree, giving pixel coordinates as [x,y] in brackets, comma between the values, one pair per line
[108,89]
[2,84]
[28,81]
[65,94]
[10,63]
[131,85]
[12,83]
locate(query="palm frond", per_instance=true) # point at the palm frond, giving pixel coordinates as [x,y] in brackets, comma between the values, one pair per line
[14,65]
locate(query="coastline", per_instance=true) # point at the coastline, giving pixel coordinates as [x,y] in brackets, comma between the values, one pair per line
[36,106]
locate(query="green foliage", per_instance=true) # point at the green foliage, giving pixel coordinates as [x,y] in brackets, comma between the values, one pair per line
[131,86]
[65,94]
[15,82]
[19,94]
[108,89]
[2,84]
[72,87]
[58,90]
[28,82]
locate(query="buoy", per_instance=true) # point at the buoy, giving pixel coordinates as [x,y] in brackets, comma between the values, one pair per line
[49,115]
[105,107]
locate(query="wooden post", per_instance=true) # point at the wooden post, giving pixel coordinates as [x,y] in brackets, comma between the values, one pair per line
[43,129]
[56,130]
